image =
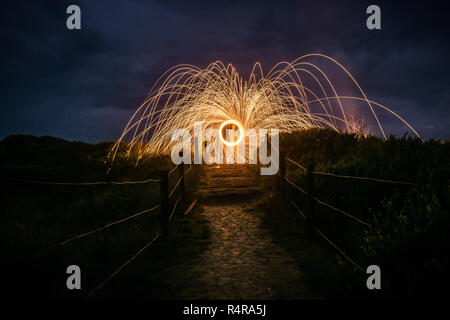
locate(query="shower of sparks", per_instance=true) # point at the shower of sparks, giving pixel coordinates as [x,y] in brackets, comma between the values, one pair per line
[293,96]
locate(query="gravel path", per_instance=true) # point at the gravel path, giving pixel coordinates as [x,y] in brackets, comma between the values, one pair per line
[241,262]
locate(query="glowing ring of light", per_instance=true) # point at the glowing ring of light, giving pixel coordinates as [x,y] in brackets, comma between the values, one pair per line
[241,133]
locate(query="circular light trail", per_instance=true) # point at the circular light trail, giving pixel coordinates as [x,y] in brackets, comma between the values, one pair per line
[241,132]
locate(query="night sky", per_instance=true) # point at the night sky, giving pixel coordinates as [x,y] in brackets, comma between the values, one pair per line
[84,85]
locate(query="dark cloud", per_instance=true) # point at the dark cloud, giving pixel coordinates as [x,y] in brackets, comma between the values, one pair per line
[85,84]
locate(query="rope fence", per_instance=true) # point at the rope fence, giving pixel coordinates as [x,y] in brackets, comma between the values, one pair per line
[352,177]
[294,185]
[309,216]
[166,195]
[86,183]
[123,265]
[339,250]
[310,173]
[108,225]
[311,199]
[165,218]
[341,211]
[328,240]
[366,178]
[174,207]
[296,163]
[178,182]
[326,204]
[173,170]
[62,243]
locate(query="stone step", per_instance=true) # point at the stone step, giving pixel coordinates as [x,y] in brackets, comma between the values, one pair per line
[226,180]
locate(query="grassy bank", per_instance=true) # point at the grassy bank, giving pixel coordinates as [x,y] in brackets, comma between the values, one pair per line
[35,217]
[408,223]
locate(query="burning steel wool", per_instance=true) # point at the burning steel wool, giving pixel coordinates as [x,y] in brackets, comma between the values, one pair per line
[292,96]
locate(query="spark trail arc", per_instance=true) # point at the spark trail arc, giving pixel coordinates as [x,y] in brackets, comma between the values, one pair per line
[292,96]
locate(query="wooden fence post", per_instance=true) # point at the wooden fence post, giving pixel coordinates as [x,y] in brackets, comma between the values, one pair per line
[310,196]
[181,174]
[282,174]
[164,216]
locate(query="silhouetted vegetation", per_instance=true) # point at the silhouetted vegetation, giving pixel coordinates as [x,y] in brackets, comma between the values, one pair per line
[407,236]
[409,224]
[37,216]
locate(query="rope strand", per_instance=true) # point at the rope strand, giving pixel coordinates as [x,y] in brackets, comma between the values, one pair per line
[122,266]
[86,183]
